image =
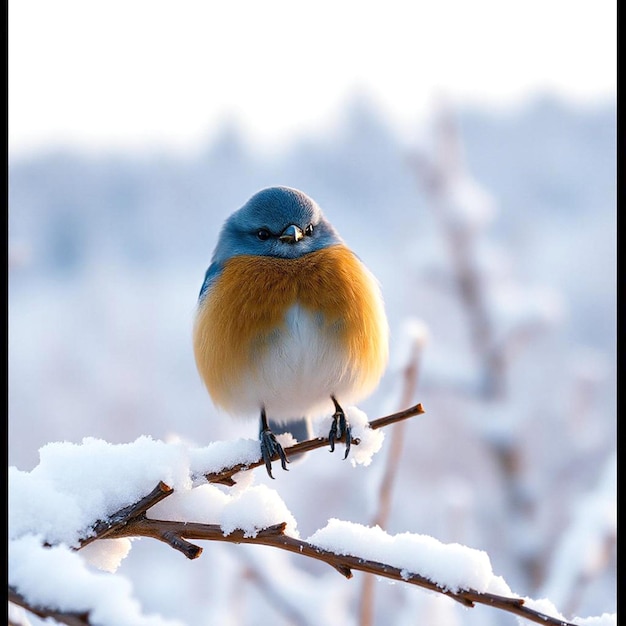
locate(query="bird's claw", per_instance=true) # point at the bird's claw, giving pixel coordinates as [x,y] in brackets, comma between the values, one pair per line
[269,448]
[340,428]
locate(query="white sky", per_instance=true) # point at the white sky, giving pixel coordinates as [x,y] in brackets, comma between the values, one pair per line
[135,73]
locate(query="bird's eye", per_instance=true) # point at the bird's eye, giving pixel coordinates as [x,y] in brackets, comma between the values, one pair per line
[263,234]
[308,230]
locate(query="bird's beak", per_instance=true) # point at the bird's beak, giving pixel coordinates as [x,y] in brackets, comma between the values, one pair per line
[291,234]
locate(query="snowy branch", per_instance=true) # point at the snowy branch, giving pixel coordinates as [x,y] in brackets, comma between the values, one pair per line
[54,516]
[177,534]
[225,476]
[70,619]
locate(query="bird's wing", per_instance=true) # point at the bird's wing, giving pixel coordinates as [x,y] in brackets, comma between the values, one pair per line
[211,274]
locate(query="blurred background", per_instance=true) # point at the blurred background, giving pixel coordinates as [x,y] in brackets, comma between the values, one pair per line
[465,151]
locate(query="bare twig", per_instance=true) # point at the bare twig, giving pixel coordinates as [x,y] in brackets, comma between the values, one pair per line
[225,476]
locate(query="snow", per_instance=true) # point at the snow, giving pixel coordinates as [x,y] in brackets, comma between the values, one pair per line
[450,566]
[58,578]
[371,441]
[107,554]
[256,508]
[75,485]
[606,619]
[547,607]
[250,510]
[220,454]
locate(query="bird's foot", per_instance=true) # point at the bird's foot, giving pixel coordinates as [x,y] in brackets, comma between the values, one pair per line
[340,428]
[270,448]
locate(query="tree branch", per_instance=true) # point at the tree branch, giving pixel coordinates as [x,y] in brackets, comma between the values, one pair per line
[102,529]
[71,619]
[225,476]
[176,535]
[135,512]
[131,521]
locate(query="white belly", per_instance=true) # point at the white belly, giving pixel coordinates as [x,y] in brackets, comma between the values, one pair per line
[295,377]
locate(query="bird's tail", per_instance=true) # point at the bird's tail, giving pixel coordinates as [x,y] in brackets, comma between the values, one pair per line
[300,429]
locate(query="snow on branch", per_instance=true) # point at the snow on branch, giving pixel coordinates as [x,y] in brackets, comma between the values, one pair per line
[225,475]
[82,504]
[336,534]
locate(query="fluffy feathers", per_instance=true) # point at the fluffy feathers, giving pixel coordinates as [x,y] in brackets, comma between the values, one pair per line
[286,334]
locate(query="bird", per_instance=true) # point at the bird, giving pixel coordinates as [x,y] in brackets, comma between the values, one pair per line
[289,321]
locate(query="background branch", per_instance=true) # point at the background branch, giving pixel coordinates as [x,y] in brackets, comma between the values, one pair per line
[392,464]
[288,606]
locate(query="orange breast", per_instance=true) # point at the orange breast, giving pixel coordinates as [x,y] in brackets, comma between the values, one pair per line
[248,301]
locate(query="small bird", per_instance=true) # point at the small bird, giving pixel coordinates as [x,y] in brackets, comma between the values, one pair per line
[289,320]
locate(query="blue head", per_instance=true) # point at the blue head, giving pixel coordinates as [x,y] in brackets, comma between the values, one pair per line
[277,221]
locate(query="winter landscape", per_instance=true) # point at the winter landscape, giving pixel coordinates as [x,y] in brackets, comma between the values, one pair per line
[493,236]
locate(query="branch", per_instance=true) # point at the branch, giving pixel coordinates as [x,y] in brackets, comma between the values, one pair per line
[71,619]
[136,512]
[103,529]
[177,534]
[225,476]
[132,521]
